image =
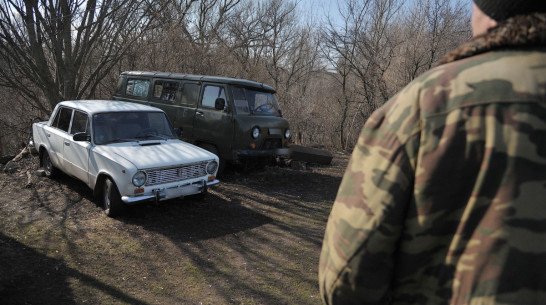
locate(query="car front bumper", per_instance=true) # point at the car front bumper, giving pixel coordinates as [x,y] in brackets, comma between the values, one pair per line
[171,192]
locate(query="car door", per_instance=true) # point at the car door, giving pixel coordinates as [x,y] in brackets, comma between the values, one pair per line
[213,125]
[56,134]
[76,153]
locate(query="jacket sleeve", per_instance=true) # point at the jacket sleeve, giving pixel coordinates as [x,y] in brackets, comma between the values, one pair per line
[366,221]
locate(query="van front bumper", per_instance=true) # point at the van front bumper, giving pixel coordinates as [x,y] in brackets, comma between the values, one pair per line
[172,192]
[285,152]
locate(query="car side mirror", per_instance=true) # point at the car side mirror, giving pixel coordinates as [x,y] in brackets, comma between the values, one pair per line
[81,137]
[220,104]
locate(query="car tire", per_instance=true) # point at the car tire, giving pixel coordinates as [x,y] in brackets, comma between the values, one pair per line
[50,170]
[111,199]
[222,163]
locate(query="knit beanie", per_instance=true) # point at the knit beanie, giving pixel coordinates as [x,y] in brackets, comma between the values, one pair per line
[503,9]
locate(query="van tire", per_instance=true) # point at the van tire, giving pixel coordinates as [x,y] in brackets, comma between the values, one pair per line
[211,148]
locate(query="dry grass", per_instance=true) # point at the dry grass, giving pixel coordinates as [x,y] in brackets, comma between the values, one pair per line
[254,240]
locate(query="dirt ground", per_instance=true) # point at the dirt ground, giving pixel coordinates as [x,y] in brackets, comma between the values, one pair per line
[255,239]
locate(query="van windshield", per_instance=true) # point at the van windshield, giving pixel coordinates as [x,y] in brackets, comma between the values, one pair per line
[251,101]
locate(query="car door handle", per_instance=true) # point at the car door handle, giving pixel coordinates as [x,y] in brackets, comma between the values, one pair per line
[48,135]
[66,143]
[201,113]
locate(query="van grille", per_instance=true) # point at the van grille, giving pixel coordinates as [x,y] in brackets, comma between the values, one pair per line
[174,174]
[272,144]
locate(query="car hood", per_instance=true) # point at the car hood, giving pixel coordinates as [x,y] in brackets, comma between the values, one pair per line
[152,154]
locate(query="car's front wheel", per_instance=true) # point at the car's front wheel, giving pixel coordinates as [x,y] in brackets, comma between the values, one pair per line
[49,169]
[111,199]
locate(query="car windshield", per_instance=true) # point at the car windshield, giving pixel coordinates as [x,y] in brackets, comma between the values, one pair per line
[115,127]
[251,101]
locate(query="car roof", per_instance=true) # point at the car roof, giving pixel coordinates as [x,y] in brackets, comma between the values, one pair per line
[202,78]
[97,106]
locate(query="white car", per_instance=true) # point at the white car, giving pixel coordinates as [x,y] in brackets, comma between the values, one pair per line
[125,152]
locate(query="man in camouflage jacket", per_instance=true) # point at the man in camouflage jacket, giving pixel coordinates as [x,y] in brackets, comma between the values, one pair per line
[444,199]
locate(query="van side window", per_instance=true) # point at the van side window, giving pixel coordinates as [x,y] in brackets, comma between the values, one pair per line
[165,91]
[137,87]
[62,119]
[239,98]
[211,94]
[190,94]
[79,123]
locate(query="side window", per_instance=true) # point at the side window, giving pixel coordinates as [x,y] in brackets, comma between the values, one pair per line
[211,94]
[56,119]
[63,120]
[137,87]
[165,90]
[119,88]
[79,123]
[190,94]
[239,98]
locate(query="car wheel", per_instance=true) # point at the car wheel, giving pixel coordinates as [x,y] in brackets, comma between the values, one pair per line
[49,170]
[111,199]
[211,148]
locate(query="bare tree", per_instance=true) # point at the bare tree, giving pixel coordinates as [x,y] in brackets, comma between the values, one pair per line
[58,50]
[362,51]
[430,30]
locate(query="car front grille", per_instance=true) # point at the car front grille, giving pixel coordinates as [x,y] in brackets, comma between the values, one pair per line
[272,144]
[174,174]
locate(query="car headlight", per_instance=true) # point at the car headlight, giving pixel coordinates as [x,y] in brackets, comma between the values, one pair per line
[139,178]
[255,132]
[287,134]
[211,167]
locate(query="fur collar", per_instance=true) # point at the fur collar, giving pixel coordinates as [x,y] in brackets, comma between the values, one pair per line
[518,32]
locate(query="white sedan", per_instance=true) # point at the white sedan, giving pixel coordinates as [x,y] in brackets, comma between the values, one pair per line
[125,152]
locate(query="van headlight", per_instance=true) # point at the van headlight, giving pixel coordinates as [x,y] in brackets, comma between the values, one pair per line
[212,166]
[255,132]
[287,134]
[139,178]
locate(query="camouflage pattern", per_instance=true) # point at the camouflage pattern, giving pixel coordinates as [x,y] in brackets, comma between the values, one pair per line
[444,199]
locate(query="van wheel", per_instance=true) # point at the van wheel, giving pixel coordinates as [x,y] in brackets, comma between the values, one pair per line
[211,148]
[111,199]
[49,170]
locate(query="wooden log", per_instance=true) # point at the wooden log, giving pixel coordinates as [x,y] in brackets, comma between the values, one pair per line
[310,155]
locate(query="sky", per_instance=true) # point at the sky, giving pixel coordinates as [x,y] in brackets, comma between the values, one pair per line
[316,10]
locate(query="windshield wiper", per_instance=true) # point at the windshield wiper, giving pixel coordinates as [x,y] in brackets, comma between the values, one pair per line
[120,141]
[153,136]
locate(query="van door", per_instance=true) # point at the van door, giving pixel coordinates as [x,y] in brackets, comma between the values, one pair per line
[186,111]
[212,125]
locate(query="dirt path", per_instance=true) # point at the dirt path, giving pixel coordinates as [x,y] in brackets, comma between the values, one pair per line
[254,240]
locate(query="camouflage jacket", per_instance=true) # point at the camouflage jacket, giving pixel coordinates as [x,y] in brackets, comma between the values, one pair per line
[444,199]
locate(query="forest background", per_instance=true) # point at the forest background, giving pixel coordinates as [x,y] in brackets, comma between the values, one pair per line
[332,66]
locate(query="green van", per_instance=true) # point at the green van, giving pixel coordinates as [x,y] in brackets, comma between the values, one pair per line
[236,119]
